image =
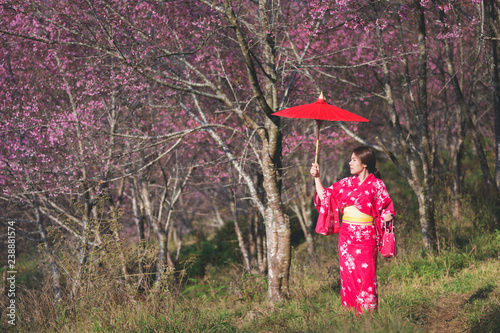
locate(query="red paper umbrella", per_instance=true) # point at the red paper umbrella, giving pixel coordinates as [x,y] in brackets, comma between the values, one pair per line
[320,111]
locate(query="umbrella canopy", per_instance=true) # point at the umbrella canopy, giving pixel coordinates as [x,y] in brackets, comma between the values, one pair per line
[319,110]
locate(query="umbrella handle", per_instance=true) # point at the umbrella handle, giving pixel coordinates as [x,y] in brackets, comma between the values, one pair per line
[318,122]
[317,144]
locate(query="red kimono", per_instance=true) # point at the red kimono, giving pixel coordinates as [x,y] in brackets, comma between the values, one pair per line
[357,243]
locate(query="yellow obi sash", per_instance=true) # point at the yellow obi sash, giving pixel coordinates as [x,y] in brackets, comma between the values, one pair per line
[352,215]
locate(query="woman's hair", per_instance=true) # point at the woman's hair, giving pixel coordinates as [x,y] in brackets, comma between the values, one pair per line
[367,157]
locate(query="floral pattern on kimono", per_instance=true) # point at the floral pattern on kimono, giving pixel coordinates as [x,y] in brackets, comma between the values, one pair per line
[369,197]
[358,265]
[357,243]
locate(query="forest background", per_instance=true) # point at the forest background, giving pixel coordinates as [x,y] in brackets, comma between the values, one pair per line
[146,186]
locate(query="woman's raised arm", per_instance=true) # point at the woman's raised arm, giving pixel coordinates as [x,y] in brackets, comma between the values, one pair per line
[317,180]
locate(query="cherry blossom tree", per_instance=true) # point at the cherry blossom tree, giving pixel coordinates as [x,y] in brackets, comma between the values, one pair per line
[399,59]
[122,100]
[117,35]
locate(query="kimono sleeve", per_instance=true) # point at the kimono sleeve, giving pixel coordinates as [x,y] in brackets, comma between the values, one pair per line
[330,194]
[328,219]
[383,205]
[383,202]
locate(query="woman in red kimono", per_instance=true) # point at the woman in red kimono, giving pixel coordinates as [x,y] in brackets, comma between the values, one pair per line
[363,203]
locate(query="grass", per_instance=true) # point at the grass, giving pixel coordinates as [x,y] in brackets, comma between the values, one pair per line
[409,287]
[414,290]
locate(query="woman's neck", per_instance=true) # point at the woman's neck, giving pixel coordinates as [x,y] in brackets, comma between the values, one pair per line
[363,175]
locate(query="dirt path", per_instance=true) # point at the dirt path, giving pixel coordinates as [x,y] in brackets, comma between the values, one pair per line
[447,315]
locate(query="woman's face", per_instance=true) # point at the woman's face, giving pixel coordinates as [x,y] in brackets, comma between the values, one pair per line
[356,166]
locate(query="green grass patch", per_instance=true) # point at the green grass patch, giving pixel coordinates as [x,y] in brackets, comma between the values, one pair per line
[211,292]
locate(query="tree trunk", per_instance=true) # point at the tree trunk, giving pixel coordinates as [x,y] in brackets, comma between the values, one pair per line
[277,223]
[177,235]
[457,178]
[82,258]
[87,203]
[302,207]
[492,11]
[277,233]
[141,246]
[259,229]
[260,244]
[171,232]
[162,254]
[426,151]
[483,161]
[278,255]
[422,186]
[256,242]
[161,235]
[84,244]
[56,285]
[427,221]
[116,234]
[243,247]
[252,241]
[471,119]
[241,240]
[113,114]
[462,117]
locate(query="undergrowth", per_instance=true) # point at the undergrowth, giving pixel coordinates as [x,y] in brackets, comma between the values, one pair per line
[226,298]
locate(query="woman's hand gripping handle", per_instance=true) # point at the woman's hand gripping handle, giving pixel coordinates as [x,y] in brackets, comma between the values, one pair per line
[316,174]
